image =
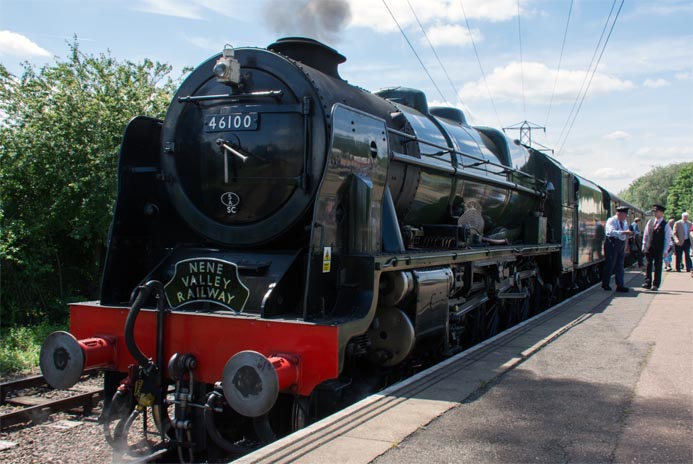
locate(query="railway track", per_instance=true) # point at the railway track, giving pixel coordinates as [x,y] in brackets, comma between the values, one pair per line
[34,408]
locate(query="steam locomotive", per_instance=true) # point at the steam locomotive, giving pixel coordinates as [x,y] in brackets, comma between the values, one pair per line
[284,243]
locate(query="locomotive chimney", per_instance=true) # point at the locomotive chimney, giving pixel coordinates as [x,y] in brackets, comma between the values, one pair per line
[311,53]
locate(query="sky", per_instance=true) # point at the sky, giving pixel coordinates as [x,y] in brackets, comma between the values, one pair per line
[610,80]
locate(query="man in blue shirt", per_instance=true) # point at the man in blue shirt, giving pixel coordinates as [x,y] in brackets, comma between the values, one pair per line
[617,231]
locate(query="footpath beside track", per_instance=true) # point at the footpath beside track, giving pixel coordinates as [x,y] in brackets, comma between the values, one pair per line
[561,365]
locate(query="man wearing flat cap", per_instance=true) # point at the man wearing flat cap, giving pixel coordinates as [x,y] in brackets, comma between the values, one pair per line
[617,231]
[655,242]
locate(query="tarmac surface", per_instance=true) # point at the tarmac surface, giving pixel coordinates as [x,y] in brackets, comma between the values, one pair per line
[608,377]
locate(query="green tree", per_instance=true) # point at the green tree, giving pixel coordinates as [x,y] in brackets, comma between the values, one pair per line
[60,131]
[653,187]
[680,197]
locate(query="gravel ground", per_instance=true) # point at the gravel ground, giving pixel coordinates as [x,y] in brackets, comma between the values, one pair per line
[63,438]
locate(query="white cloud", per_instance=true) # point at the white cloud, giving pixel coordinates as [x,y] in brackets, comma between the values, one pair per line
[12,43]
[195,9]
[664,7]
[655,83]
[208,43]
[683,76]
[239,9]
[670,154]
[364,13]
[609,174]
[374,15]
[178,8]
[665,54]
[618,135]
[505,83]
[452,34]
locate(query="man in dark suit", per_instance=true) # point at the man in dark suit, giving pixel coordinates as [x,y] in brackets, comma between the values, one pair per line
[655,241]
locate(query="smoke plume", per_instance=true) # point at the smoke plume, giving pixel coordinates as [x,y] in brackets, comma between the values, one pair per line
[318,19]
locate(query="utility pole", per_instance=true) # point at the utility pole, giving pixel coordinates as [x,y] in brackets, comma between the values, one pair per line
[525,128]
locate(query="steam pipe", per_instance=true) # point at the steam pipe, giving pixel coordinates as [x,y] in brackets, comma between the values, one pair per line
[212,427]
[160,318]
[145,292]
[264,429]
[495,241]
[130,343]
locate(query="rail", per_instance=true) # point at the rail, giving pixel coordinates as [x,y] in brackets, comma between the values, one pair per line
[36,409]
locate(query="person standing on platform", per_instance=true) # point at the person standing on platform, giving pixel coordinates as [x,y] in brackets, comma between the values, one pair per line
[690,238]
[655,242]
[617,232]
[682,243]
[669,249]
[636,241]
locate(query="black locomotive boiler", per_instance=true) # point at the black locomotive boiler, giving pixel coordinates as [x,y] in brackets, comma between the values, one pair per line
[284,243]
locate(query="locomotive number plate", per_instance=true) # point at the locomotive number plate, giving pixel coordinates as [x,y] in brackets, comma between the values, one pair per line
[231,122]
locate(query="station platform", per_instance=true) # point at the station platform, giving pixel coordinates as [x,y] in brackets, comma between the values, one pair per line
[602,377]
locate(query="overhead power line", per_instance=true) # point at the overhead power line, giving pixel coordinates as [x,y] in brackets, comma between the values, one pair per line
[560,60]
[416,54]
[457,94]
[478,60]
[584,81]
[592,76]
[522,61]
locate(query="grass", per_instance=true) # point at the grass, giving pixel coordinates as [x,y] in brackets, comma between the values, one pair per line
[20,346]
